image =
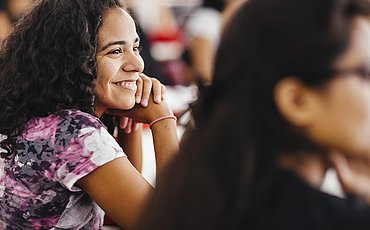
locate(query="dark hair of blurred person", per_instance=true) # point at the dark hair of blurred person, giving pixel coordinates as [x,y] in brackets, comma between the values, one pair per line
[290,96]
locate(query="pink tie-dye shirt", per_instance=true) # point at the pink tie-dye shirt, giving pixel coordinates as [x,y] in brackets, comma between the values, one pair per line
[37,184]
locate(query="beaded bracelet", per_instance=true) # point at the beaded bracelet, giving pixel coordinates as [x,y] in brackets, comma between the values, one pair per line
[162,118]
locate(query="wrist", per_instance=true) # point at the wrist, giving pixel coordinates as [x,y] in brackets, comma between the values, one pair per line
[162,118]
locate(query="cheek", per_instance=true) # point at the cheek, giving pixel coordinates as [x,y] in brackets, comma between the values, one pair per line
[99,91]
[359,113]
[347,119]
[353,105]
[105,72]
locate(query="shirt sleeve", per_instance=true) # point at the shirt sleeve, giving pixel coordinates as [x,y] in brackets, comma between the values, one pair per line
[90,148]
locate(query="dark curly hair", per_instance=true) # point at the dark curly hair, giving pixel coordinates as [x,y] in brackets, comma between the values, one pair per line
[48,63]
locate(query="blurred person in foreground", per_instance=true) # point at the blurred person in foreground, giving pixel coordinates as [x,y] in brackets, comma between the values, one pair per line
[290,99]
[64,65]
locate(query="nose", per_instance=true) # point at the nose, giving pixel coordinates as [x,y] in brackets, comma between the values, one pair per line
[133,63]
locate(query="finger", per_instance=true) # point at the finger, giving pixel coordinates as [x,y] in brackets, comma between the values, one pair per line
[123,122]
[163,91]
[147,88]
[135,126]
[157,90]
[128,127]
[343,171]
[139,90]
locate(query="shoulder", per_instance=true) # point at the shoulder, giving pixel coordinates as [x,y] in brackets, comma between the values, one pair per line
[77,120]
[294,204]
[59,124]
[76,124]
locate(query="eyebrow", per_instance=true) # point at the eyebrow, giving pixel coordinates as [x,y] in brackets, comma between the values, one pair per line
[118,43]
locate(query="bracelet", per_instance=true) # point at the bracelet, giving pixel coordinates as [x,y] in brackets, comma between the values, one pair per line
[162,118]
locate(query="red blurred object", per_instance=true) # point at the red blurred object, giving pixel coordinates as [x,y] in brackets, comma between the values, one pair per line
[165,37]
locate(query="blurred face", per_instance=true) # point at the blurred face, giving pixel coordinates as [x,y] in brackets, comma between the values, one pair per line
[343,117]
[118,62]
[18,7]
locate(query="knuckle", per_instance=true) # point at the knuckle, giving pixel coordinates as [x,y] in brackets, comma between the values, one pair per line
[155,80]
[147,80]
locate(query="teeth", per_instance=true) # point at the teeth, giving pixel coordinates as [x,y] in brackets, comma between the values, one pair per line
[128,84]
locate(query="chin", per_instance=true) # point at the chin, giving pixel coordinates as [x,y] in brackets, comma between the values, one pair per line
[127,105]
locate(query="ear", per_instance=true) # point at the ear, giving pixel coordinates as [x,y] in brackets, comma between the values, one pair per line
[296,102]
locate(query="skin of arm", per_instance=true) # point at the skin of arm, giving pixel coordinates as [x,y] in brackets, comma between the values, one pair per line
[130,138]
[165,138]
[353,173]
[117,187]
[165,141]
[131,144]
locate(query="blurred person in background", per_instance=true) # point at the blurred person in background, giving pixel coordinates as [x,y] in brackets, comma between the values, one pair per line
[151,66]
[4,22]
[158,27]
[10,12]
[16,8]
[63,66]
[202,32]
[290,99]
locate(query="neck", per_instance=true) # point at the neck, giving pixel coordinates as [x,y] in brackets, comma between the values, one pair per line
[310,167]
[99,113]
[99,110]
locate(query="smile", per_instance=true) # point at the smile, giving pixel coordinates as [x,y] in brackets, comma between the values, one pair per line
[130,85]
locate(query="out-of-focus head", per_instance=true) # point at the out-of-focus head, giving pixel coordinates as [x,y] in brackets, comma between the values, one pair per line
[16,8]
[293,73]
[4,22]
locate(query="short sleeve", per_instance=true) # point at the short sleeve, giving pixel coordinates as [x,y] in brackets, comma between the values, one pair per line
[82,151]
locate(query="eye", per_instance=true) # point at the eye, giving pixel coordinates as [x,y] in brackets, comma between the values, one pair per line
[364,71]
[138,49]
[115,51]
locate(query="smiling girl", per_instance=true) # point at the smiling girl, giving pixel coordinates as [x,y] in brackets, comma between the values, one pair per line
[64,65]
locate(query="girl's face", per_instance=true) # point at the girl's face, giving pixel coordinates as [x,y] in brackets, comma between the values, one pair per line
[118,62]
[343,118]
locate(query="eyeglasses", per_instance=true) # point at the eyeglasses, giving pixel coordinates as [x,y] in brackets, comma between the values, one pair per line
[362,71]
